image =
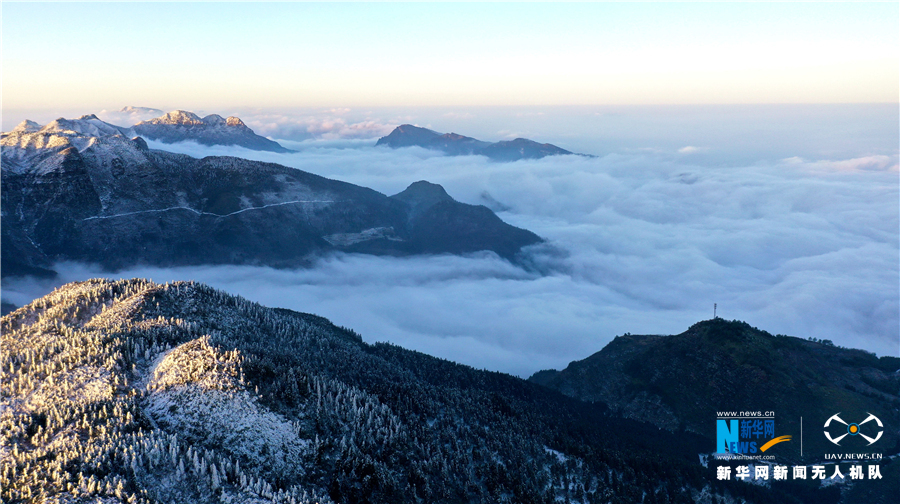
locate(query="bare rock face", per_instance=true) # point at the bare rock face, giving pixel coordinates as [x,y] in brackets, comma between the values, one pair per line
[234,121]
[111,200]
[181,126]
[140,143]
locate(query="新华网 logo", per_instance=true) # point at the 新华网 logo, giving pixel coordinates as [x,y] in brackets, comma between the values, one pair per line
[745,433]
[852,429]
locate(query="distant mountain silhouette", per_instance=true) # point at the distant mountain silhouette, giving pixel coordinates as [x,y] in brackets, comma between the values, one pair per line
[407,135]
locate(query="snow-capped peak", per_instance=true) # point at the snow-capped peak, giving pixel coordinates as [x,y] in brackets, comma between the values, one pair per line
[180,126]
[32,148]
[87,125]
[185,118]
[27,126]
[176,117]
[213,120]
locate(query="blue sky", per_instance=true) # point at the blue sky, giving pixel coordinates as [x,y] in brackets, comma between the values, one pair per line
[210,55]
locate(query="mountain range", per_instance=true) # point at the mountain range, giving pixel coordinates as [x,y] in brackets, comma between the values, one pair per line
[407,135]
[130,391]
[84,190]
[180,126]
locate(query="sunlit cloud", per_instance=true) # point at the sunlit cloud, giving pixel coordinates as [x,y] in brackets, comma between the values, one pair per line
[329,126]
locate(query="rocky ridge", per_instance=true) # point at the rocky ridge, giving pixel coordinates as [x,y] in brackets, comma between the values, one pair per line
[181,126]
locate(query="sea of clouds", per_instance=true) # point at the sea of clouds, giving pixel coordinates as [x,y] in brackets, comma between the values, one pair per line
[641,239]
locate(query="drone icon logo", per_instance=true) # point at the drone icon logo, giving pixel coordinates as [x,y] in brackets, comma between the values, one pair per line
[853,429]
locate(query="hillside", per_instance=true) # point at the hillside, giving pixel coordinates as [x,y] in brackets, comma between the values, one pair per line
[138,392]
[681,382]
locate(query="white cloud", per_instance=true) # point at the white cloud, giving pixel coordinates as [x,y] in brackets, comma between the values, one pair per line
[866,163]
[638,243]
[129,116]
[510,134]
[332,124]
[863,163]
[459,115]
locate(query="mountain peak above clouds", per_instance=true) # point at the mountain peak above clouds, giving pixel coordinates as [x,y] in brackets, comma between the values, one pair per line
[176,117]
[407,135]
[521,148]
[234,121]
[213,120]
[454,144]
[439,224]
[27,126]
[422,195]
[182,126]
[88,125]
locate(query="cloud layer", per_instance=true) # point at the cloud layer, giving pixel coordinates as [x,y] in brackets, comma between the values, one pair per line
[638,241]
[322,124]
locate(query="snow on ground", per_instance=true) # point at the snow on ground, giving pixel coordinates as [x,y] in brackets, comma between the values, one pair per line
[197,389]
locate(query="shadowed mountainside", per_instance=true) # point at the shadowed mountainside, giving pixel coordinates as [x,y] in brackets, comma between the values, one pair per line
[407,135]
[111,200]
[131,391]
[681,382]
[142,392]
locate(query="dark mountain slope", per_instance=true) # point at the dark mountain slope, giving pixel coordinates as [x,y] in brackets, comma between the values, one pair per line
[407,135]
[438,223]
[131,391]
[521,148]
[140,392]
[110,200]
[682,381]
